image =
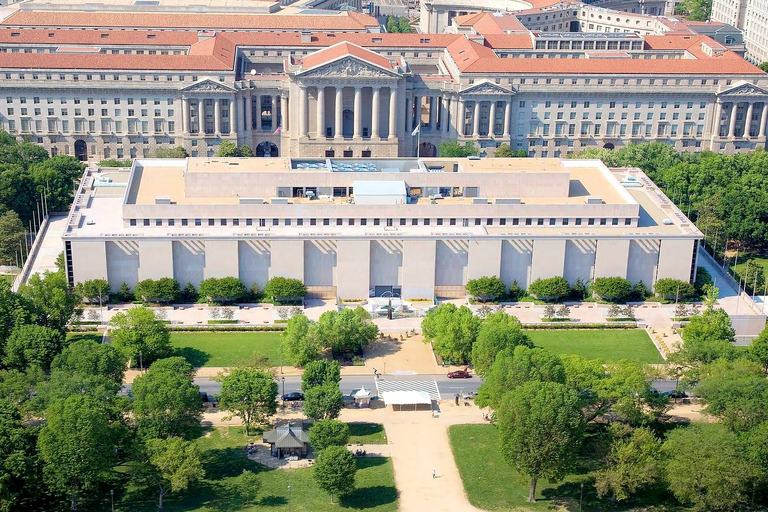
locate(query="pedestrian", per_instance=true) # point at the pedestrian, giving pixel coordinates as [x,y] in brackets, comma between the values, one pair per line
[434,474]
[433,413]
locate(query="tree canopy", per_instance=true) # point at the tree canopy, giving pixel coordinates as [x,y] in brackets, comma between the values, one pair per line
[334,471]
[140,336]
[325,433]
[250,395]
[497,332]
[452,331]
[323,402]
[322,371]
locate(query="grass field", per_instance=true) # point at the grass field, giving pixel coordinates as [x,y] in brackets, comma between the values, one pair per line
[226,489]
[492,484]
[609,345]
[79,336]
[367,433]
[226,348]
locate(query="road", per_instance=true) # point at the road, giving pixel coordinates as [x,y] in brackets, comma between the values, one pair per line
[448,387]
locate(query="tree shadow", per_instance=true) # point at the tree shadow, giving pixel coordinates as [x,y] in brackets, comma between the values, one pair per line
[370,462]
[363,428]
[228,462]
[195,357]
[369,497]
[273,501]
[568,495]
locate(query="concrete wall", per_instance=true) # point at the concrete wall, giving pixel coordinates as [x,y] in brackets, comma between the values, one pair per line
[221,258]
[353,257]
[188,262]
[386,263]
[548,259]
[156,260]
[612,257]
[254,260]
[675,258]
[579,260]
[320,263]
[122,263]
[419,269]
[451,259]
[643,256]
[287,259]
[89,261]
[516,258]
[484,259]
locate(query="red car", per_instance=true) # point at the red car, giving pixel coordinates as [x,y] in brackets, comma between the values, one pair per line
[459,374]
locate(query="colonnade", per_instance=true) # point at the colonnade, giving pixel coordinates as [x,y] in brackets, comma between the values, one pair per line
[444,111]
[204,115]
[733,108]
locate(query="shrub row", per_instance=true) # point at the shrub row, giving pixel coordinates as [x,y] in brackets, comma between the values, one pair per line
[571,325]
[228,328]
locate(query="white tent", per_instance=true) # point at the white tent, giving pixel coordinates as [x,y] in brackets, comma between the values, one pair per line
[362,397]
[401,398]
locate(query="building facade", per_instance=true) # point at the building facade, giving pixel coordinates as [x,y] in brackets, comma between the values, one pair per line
[751,16]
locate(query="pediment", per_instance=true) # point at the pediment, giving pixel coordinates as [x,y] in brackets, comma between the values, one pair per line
[744,89]
[486,87]
[208,85]
[347,67]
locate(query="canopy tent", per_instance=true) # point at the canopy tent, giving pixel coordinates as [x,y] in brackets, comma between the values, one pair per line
[362,397]
[400,398]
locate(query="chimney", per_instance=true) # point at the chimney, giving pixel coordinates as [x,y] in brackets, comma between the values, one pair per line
[306,36]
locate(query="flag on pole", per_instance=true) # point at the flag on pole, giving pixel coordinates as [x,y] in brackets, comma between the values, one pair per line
[277,132]
[416,130]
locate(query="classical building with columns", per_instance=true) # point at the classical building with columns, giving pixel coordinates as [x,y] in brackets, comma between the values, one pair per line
[358,228]
[101,85]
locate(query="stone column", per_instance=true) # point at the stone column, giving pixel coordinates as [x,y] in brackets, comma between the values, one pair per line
[460,118]
[732,126]
[375,112]
[303,111]
[718,117]
[283,111]
[393,112]
[258,111]
[320,111]
[416,112]
[507,111]
[476,120]
[763,119]
[185,116]
[248,114]
[492,120]
[358,109]
[232,125]
[338,124]
[431,120]
[217,117]
[748,120]
[408,115]
[445,123]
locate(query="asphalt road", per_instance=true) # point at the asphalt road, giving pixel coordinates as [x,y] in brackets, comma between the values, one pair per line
[448,387]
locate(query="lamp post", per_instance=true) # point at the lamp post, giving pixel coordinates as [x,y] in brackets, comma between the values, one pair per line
[289,498]
[283,396]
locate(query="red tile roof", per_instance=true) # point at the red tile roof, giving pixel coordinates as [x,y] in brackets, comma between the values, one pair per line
[97,37]
[103,61]
[341,50]
[509,41]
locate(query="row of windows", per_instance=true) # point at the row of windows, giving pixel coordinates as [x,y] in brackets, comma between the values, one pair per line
[113,51]
[613,104]
[93,77]
[92,112]
[383,222]
[612,81]
[90,101]
[135,126]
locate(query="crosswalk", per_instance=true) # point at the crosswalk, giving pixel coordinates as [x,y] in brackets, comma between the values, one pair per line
[384,384]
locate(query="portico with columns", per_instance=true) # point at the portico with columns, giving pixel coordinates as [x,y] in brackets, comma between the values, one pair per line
[484,111]
[209,109]
[741,114]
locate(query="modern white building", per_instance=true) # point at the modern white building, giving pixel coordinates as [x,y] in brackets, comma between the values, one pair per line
[355,228]
[751,16]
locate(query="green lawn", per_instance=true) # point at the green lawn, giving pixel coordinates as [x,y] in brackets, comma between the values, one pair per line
[79,336]
[224,489]
[226,348]
[610,345]
[492,484]
[367,433]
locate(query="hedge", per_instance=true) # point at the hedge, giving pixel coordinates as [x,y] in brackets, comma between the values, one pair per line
[566,325]
[668,288]
[231,328]
[551,289]
[612,289]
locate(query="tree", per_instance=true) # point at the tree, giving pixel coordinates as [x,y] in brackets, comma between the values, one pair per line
[93,291]
[736,392]
[323,402]
[753,276]
[612,289]
[57,177]
[20,484]
[140,336]
[758,350]
[452,332]
[325,433]
[285,288]
[250,395]
[176,152]
[627,393]
[486,288]
[172,464]
[540,429]
[227,148]
[11,238]
[707,337]
[705,467]
[633,463]
[551,289]
[344,332]
[504,151]
[299,347]
[33,345]
[453,149]
[77,446]
[673,289]
[87,357]
[317,373]
[166,402]
[245,150]
[164,289]
[334,471]
[694,10]
[124,293]
[497,332]
[50,300]
[755,446]
[225,289]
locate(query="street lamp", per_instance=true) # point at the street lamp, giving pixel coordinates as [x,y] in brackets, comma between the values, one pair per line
[289,498]
[283,398]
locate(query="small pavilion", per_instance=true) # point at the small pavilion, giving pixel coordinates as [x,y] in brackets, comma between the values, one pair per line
[362,397]
[287,441]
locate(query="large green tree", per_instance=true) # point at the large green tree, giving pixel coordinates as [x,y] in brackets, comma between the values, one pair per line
[90,358]
[12,232]
[250,395]
[20,477]
[325,433]
[335,470]
[758,350]
[33,345]
[173,464]
[322,371]
[140,336]
[454,149]
[736,392]
[323,402]
[51,301]
[707,337]
[452,331]
[300,345]
[634,462]
[344,332]
[497,332]
[541,429]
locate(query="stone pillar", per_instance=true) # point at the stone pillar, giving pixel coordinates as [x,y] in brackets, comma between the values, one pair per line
[320,111]
[460,118]
[185,116]
[408,116]
[476,120]
[232,125]
[375,112]
[283,111]
[303,112]
[445,124]
[492,120]
[217,116]
[431,120]
[358,109]
[248,114]
[718,117]
[507,111]
[393,112]
[338,124]
[748,120]
[763,120]
[258,111]
[732,126]
[416,112]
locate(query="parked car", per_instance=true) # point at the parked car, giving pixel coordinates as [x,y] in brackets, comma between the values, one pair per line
[459,374]
[293,397]
[469,395]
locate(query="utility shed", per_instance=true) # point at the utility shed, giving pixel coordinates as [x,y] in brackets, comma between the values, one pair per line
[379,192]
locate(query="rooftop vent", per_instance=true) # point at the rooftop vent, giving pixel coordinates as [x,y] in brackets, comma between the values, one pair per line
[479,200]
[594,200]
[279,200]
[251,200]
[508,200]
[162,200]
[306,36]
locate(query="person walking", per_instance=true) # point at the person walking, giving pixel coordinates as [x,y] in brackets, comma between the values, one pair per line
[434,474]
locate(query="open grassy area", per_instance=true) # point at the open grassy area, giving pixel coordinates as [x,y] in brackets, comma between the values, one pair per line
[492,484]
[609,345]
[226,348]
[225,489]
[79,336]
[367,433]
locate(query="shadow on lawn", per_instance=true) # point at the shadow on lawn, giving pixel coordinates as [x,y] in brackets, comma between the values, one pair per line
[369,497]
[362,428]
[228,462]
[273,501]
[567,495]
[195,357]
